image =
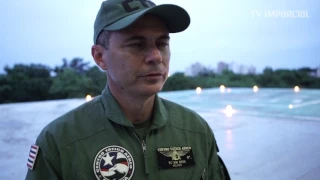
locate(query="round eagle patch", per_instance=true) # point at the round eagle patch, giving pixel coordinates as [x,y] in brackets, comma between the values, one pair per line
[113,163]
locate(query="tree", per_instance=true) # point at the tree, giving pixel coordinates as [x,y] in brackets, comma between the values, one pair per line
[98,80]
[5,89]
[77,64]
[70,84]
[266,79]
[29,82]
[26,83]
[178,81]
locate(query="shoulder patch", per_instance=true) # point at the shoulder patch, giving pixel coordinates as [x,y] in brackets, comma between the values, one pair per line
[32,156]
[113,163]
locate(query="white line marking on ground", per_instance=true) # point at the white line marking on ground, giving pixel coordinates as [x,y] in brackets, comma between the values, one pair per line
[306,104]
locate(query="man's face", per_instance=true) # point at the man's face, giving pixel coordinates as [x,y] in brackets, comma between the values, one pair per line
[137,60]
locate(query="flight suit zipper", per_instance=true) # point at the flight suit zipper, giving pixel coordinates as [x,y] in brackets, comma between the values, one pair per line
[203,175]
[144,146]
[144,150]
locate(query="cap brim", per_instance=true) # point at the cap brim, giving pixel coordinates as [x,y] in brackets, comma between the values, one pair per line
[176,18]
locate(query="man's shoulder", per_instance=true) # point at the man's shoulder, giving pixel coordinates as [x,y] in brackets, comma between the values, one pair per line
[78,123]
[185,118]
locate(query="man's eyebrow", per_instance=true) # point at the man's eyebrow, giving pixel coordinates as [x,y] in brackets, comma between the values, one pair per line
[132,38]
[140,38]
[164,37]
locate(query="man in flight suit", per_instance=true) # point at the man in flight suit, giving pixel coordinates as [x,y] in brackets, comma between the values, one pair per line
[129,132]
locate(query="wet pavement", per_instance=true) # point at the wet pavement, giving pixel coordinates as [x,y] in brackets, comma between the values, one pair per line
[262,138]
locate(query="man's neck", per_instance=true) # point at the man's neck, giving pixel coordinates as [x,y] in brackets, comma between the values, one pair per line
[136,108]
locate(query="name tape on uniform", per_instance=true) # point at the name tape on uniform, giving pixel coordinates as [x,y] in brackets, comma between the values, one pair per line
[175,157]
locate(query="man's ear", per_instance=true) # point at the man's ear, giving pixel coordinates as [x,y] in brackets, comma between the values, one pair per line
[97,52]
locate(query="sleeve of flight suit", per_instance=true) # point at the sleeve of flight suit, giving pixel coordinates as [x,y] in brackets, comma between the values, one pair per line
[215,168]
[46,166]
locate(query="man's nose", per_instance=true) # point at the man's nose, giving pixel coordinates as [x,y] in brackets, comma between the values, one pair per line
[153,55]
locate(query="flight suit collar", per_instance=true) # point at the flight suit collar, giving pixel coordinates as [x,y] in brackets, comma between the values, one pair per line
[115,113]
[160,113]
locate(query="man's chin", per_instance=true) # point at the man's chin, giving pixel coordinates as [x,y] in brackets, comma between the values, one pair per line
[151,89]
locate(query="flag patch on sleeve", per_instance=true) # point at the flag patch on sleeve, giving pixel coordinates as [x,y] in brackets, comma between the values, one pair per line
[32,156]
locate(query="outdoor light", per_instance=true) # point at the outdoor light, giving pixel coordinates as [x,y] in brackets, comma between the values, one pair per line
[290,106]
[255,88]
[229,111]
[88,98]
[198,90]
[222,88]
[296,89]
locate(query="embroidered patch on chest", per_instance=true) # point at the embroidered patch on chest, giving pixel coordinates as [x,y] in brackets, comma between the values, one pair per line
[32,156]
[175,157]
[113,163]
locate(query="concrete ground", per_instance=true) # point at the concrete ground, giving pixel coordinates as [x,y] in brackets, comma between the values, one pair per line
[260,138]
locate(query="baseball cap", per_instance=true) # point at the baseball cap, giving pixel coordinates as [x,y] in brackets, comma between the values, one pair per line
[118,14]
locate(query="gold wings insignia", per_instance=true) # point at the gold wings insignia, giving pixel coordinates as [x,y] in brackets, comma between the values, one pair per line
[183,152]
[175,155]
[167,153]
